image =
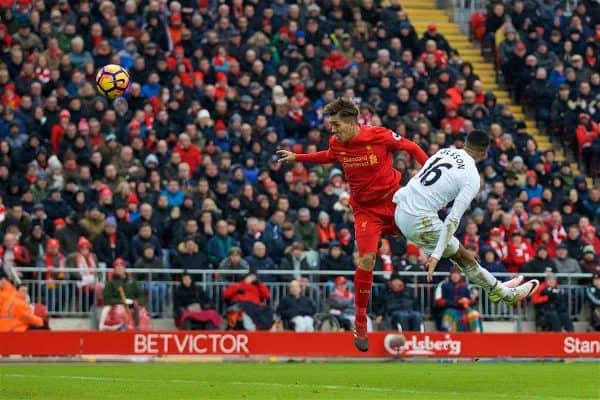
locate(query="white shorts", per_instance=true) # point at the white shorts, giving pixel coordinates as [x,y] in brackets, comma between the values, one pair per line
[424,231]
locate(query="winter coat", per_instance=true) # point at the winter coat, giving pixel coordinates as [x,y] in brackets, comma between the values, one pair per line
[291,306]
[107,253]
[391,301]
[131,287]
[257,293]
[265,263]
[452,292]
[307,233]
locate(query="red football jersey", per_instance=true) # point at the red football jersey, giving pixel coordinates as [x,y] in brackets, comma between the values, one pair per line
[367,161]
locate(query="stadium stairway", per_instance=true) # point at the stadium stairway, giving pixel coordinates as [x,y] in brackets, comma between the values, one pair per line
[423,12]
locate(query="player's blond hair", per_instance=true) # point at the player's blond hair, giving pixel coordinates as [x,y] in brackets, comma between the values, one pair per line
[343,107]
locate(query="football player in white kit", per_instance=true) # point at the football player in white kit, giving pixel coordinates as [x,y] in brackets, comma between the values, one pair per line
[451,175]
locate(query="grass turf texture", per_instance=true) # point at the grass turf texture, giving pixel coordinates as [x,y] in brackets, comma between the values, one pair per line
[415,381]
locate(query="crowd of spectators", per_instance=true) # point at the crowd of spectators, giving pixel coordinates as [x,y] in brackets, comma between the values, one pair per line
[550,59]
[181,171]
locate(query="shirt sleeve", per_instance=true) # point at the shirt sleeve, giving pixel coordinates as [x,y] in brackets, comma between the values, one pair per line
[319,157]
[397,143]
[461,203]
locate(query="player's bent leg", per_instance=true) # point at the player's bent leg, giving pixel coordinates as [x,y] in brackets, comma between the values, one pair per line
[480,276]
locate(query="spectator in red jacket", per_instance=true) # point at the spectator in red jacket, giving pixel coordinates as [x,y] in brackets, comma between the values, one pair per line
[188,152]
[471,237]
[586,132]
[58,130]
[519,252]
[456,92]
[543,238]
[455,121]
[440,57]
[250,297]
[498,243]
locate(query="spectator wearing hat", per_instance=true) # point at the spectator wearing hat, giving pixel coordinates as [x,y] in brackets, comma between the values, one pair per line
[341,303]
[399,304]
[122,290]
[592,294]
[587,131]
[590,262]
[455,299]
[111,243]
[335,259]
[552,306]
[297,310]
[85,261]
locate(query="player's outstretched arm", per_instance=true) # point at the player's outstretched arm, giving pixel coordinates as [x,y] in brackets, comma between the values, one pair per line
[319,157]
[395,142]
[415,151]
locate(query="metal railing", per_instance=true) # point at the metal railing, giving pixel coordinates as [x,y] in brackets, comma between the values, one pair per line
[67,299]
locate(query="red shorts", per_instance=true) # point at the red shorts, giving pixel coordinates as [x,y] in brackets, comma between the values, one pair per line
[373,221]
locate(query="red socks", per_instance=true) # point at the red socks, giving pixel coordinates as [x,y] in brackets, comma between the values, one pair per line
[363,280]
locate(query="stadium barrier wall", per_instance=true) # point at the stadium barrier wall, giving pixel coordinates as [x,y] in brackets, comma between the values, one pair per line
[159,285]
[290,344]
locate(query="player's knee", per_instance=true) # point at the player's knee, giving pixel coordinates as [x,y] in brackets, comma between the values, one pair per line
[367,261]
[463,257]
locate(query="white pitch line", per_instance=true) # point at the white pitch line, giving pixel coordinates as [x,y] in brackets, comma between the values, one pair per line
[484,395]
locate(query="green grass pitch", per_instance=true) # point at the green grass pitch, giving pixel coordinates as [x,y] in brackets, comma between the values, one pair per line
[336,381]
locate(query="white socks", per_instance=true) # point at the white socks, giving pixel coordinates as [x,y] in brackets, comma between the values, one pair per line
[482,277]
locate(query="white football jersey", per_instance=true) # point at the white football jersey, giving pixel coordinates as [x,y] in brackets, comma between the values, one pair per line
[449,175]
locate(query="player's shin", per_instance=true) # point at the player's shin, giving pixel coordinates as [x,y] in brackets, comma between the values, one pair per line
[482,277]
[363,280]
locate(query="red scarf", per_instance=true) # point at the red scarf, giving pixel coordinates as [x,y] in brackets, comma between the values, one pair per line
[52,262]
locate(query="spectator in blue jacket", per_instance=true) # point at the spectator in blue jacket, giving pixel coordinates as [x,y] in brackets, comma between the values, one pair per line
[454,297]
[174,193]
[259,260]
[532,187]
[144,237]
[297,310]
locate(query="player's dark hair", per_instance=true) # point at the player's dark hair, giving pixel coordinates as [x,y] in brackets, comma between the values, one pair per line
[478,140]
[343,107]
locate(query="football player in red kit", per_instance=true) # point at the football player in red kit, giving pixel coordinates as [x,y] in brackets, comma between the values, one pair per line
[366,155]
